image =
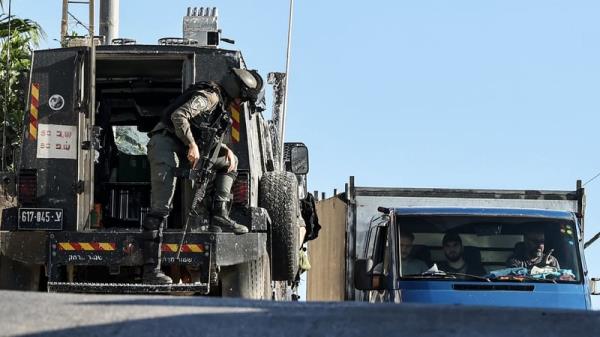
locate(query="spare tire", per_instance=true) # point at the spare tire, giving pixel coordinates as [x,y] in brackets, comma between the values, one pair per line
[278,194]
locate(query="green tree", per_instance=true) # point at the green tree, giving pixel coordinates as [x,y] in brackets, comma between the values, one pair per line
[15,46]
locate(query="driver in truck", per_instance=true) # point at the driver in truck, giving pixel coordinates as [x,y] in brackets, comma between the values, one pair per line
[173,144]
[531,254]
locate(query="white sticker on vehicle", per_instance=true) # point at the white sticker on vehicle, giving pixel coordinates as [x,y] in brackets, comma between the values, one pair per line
[57,141]
[56,102]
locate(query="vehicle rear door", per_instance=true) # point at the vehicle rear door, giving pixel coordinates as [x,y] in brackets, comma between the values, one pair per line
[56,122]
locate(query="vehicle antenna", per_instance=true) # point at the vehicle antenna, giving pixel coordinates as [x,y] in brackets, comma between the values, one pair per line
[287,78]
[589,181]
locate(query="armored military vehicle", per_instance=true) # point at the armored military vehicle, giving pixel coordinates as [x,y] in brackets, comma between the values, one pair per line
[83,180]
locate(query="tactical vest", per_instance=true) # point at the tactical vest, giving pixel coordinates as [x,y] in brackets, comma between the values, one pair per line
[200,121]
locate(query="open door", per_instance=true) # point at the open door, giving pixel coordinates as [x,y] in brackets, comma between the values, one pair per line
[52,174]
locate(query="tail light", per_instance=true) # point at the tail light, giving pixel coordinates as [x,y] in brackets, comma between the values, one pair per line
[241,189]
[27,187]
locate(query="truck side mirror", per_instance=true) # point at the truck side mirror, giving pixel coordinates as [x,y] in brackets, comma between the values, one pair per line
[364,277]
[296,158]
[594,289]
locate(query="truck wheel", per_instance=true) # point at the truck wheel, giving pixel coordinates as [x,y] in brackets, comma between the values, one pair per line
[250,280]
[15,275]
[278,194]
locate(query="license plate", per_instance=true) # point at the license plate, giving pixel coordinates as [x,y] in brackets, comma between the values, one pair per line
[41,218]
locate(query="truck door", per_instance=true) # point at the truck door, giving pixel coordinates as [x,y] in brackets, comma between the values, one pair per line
[382,246]
[51,174]
[375,249]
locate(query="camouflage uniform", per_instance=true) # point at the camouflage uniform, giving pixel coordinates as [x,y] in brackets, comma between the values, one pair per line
[168,147]
[166,151]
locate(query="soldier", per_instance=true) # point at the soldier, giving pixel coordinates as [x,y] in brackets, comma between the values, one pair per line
[172,145]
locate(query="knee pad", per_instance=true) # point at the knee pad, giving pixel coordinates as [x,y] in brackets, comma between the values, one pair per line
[152,223]
[154,236]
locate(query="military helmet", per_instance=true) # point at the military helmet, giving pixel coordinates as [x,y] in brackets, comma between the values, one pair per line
[243,84]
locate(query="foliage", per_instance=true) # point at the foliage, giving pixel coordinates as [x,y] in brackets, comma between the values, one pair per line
[15,46]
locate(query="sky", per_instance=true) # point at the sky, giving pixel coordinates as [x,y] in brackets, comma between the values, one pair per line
[496,94]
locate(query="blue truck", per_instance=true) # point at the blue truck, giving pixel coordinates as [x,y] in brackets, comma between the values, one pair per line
[509,248]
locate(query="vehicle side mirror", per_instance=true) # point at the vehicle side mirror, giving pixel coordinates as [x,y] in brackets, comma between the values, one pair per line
[594,286]
[296,158]
[364,277]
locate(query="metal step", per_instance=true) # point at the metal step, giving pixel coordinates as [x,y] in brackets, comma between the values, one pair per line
[127,288]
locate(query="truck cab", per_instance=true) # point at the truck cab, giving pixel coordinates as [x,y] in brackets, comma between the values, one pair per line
[481,247]
[485,273]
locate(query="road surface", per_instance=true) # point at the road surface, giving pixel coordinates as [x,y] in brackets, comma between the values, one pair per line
[42,314]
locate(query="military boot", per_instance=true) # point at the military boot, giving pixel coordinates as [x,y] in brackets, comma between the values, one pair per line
[220,211]
[153,275]
[152,233]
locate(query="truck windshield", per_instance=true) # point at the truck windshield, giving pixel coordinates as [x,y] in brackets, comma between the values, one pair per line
[489,248]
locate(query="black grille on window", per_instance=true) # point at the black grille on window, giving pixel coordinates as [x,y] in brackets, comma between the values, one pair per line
[241,189]
[27,187]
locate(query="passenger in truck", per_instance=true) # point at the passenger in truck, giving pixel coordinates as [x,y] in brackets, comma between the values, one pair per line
[456,261]
[410,264]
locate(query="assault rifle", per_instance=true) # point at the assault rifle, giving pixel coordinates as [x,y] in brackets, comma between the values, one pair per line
[203,173]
